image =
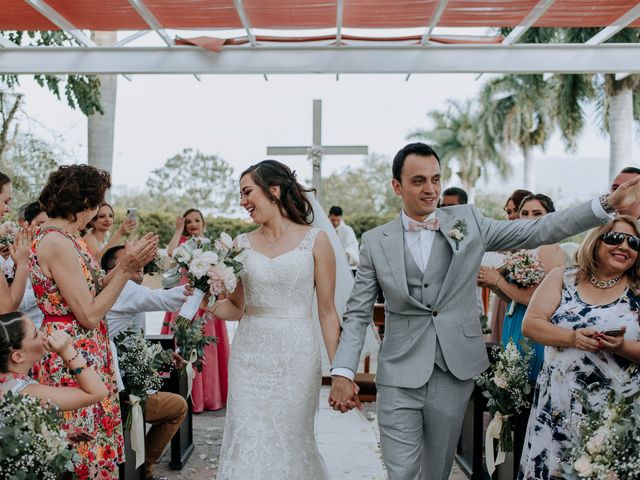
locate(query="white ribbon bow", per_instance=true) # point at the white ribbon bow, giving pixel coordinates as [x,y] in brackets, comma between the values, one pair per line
[137,429]
[494,429]
[191,374]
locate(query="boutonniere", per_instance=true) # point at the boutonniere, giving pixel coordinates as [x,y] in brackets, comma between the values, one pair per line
[457,232]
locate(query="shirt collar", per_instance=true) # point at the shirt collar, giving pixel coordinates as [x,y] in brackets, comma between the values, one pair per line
[406,220]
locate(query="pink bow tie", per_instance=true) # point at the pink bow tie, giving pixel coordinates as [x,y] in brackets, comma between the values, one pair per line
[431,224]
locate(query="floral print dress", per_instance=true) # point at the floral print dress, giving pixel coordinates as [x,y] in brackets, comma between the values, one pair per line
[99,458]
[556,409]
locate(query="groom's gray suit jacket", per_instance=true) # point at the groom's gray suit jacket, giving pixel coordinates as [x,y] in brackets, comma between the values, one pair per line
[438,306]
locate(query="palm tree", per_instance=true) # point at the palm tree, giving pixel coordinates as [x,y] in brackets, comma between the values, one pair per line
[457,135]
[516,112]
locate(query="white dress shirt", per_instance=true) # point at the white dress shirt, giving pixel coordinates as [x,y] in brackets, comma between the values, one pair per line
[420,243]
[30,307]
[135,300]
[350,244]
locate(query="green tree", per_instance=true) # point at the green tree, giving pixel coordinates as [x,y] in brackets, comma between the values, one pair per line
[457,135]
[193,179]
[362,190]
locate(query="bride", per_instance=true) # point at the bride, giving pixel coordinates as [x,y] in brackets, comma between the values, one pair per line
[275,367]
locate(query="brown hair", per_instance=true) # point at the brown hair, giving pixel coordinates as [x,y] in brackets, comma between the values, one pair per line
[545,201]
[72,189]
[293,203]
[12,333]
[516,197]
[184,215]
[587,256]
[4,180]
[90,225]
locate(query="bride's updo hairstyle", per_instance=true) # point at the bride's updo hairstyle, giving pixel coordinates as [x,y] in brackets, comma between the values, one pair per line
[293,202]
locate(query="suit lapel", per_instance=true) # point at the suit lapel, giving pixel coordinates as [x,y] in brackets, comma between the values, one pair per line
[446,221]
[392,243]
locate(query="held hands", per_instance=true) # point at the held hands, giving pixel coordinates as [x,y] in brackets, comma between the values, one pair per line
[626,194]
[344,394]
[488,277]
[139,253]
[21,247]
[57,342]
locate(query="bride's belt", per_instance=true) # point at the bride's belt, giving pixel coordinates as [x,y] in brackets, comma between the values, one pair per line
[277,312]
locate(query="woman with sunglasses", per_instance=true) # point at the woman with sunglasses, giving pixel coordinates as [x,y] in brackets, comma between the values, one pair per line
[587,316]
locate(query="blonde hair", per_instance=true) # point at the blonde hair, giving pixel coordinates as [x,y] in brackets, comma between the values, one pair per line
[587,256]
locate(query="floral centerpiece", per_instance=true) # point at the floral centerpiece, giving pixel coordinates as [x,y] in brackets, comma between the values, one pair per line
[8,232]
[607,441]
[32,443]
[523,268]
[506,387]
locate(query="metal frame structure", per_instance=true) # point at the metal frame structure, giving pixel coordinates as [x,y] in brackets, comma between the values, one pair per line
[314,56]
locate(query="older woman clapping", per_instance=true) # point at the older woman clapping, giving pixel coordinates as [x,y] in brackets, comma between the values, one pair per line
[588,318]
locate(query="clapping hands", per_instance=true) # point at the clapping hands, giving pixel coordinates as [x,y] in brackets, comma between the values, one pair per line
[139,253]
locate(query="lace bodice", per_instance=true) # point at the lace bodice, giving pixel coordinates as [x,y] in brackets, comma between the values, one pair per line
[281,282]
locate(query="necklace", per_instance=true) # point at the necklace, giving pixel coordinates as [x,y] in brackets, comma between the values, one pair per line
[271,244]
[604,283]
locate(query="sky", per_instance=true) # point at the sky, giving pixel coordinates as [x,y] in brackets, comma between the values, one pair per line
[237,117]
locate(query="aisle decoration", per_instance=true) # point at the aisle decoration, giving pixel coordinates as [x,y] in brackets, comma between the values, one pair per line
[139,361]
[506,387]
[32,442]
[213,268]
[607,440]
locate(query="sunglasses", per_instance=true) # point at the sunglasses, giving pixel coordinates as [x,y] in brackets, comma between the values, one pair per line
[616,238]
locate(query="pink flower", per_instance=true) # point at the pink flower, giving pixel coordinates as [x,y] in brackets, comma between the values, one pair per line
[221,279]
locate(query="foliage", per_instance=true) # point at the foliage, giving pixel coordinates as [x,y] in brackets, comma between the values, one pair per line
[458,135]
[190,338]
[491,204]
[32,442]
[192,179]
[605,443]
[80,91]
[364,190]
[506,387]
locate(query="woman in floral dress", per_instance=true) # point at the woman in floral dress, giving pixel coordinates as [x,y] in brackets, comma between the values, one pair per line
[70,291]
[569,313]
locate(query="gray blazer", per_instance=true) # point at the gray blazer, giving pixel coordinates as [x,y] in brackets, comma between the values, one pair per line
[412,329]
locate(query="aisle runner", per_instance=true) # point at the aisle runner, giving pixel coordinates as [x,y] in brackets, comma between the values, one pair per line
[348,444]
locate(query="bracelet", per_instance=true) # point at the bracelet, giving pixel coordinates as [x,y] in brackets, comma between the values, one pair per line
[78,371]
[74,357]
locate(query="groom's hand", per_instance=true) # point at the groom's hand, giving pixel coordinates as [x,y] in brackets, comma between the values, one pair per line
[344,394]
[626,195]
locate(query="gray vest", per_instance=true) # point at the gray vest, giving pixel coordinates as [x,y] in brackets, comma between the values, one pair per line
[425,286]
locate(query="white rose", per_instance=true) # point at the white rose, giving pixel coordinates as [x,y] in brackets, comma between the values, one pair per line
[596,443]
[200,265]
[455,234]
[181,255]
[499,381]
[230,279]
[226,240]
[583,466]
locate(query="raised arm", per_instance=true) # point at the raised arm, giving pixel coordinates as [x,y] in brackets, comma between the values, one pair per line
[125,228]
[175,240]
[325,279]
[90,390]
[11,295]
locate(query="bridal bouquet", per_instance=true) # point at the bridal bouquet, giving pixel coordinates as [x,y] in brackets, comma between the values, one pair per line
[607,442]
[506,387]
[523,268]
[210,267]
[8,232]
[32,443]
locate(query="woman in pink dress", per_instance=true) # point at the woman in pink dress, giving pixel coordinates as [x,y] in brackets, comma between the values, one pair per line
[209,386]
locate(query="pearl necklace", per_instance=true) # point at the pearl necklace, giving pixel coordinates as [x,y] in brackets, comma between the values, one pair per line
[604,283]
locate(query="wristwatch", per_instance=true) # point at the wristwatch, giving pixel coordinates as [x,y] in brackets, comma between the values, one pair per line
[606,206]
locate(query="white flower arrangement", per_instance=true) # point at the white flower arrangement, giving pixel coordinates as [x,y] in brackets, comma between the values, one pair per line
[523,268]
[32,440]
[606,443]
[457,232]
[314,155]
[8,232]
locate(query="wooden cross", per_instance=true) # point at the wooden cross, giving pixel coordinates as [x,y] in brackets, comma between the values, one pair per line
[316,150]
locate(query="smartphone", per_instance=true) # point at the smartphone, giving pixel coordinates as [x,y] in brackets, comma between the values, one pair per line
[613,332]
[132,214]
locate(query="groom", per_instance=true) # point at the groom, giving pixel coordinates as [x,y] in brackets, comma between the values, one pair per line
[426,262]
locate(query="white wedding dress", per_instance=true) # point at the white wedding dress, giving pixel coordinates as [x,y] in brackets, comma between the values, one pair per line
[274,371]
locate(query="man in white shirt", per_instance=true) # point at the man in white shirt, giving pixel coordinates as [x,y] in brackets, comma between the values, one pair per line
[347,237]
[164,410]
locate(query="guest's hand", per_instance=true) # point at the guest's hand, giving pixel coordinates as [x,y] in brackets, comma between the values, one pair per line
[58,341]
[127,227]
[609,343]
[5,251]
[180,224]
[139,253]
[21,247]
[178,361]
[344,394]
[626,195]
[584,339]
[488,277]
[188,290]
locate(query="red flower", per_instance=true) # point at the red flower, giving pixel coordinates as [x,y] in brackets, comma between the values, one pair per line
[109,424]
[108,453]
[88,345]
[82,471]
